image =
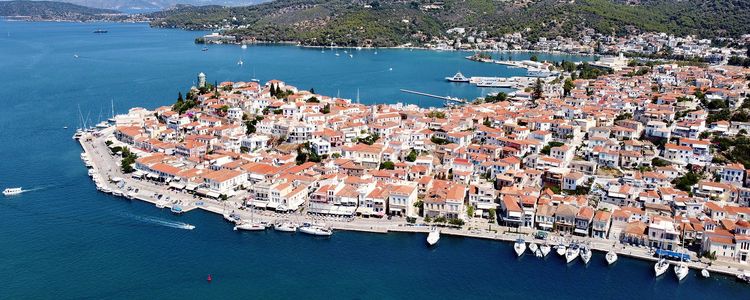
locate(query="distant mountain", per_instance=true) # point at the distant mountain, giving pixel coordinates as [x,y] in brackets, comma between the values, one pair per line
[134,5]
[393,22]
[49,10]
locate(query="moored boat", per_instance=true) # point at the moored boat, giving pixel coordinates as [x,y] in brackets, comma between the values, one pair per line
[705,273]
[533,247]
[433,237]
[611,257]
[176,209]
[561,249]
[285,226]
[572,253]
[316,230]
[519,247]
[545,249]
[585,254]
[660,267]
[250,226]
[681,270]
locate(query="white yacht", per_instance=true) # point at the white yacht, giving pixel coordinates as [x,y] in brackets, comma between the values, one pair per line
[661,266]
[433,237]
[705,273]
[250,226]
[519,247]
[161,203]
[545,249]
[585,254]
[315,230]
[285,226]
[117,193]
[561,249]
[533,247]
[611,257]
[12,191]
[681,270]
[572,253]
[457,78]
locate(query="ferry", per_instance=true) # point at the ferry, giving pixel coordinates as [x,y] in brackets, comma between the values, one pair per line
[433,237]
[316,230]
[457,78]
[12,191]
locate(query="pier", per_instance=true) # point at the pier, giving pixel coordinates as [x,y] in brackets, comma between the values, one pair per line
[446,98]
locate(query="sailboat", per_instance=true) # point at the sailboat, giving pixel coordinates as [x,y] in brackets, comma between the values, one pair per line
[585,254]
[572,253]
[254,79]
[519,246]
[681,270]
[252,225]
[533,247]
[611,257]
[545,249]
[661,266]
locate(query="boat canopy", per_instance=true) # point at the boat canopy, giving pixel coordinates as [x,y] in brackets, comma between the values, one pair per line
[673,255]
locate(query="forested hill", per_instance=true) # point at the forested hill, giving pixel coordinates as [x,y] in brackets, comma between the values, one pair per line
[50,10]
[391,22]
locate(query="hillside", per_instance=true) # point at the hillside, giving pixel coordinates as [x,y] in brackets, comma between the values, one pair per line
[49,10]
[391,22]
[135,5]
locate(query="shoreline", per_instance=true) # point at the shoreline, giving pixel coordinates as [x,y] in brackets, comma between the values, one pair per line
[378,226]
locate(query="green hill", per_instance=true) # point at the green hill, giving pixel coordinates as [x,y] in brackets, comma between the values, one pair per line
[50,10]
[393,22]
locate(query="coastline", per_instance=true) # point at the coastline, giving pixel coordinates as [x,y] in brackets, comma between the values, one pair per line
[101,164]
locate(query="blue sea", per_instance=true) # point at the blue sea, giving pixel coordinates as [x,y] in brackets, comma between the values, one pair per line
[65,240]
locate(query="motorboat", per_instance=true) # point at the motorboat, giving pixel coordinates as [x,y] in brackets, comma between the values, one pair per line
[161,203]
[285,226]
[243,46]
[458,77]
[130,195]
[561,249]
[12,191]
[545,249]
[585,254]
[519,247]
[744,276]
[433,237]
[611,257]
[705,273]
[316,230]
[176,209]
[117,193]
[101,31]
[572,253]
[681,270]
[533,247]
[660,267]
[250,226]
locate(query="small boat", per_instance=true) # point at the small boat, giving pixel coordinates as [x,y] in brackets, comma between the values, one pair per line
[316,230]
[209,279]
[519,247]
[585,254]
[240,63]
[204,49]
[660,267]
[572,253]
[176,209]
[351,55]
[65,127]
[161,203]
[12,191]
[457,78]
[75,55]
[681,270]
[561,249]
[705,273]
[744,276]
[243,46]
[100,31]
[250,226]
[285,226]
[117,193]
[433,237]
[545,249]
[337,54]
[533,247]
[611,257]
[130,195]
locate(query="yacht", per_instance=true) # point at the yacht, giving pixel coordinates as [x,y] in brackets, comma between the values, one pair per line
[585,254]
[519,247]
[705,273]
[572,253]
[611,257]
[533,247]
[12,191]
[250,226]
[176,209]
[285,226]
[317,230]
[457,78]
[117,193]
[130,195]
[545,249]
[561,249]
[681,270]
[661,266]
[433,237]
[161,203]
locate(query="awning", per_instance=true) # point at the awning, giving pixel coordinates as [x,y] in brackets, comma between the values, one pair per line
[191,186]
[259,204]
[177,185]
[272,205]
[365,210]
[673,255]
[581,231]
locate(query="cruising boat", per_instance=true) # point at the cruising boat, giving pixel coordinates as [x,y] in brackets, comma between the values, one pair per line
[585,254]
[705,273]
[12,191]
[250,226]
[681,270]
[561,249]
[611,257]
[519,246]
[572,253]
[457,78]
[533,247]
[433,237]
[545,249]
[285,226]
[661,266]
[316,230]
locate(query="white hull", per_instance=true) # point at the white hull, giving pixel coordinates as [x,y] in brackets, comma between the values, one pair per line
[12,191]
[572,254]
[285,227]
[161,204]
[433,237]
[545,249]
[661,267]
[585,255]
[705,273]
[250,227]
[533,247]
[561,250]
[519,247]
[681,271]
[315,230]
[611,257]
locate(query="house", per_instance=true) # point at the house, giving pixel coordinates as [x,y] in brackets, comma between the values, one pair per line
[583,221]
[401,199]
[601,223]
[565,218]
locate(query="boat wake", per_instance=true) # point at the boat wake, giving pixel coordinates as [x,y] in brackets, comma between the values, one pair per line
[162,222]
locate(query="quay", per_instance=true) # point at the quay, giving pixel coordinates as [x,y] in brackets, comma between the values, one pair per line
[105,165]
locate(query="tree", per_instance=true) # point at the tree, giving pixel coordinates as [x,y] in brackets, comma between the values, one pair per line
[470,210]
[567,87]
[427,219]
[534,58]
[312,99]
[387,165]
[492,213]
[326,109]
[312,90]
[179,96]
[546,150]
[538,89]
[686,182]
[412,156]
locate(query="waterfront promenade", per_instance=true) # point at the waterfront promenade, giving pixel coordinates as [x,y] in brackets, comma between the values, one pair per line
[107,167]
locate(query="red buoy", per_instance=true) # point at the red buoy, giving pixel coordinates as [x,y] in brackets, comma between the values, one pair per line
[209,278]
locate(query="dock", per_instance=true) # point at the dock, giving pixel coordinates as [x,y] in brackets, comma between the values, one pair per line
[446,98]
